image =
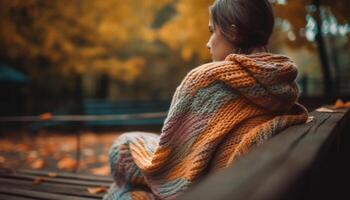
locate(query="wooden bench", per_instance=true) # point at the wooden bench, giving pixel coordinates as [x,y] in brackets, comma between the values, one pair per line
[308,161]
[101,113]
[35,184]
[303,162]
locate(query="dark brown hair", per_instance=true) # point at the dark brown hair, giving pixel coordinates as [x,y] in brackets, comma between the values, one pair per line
[247,24]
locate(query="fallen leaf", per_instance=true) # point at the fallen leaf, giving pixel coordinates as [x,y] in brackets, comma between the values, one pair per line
[37,164]
[90,159]
[104,171]
[6,145]
[32,155]
[46,116]
[89,139]
[88,152]
[68,147]
[96,190]
[52,174]
[326,110]
[310,119]
[21,148]
[67,164]
[2,159]
[38,180]
[57,156]
[82,164]
[103,158]
[339,104]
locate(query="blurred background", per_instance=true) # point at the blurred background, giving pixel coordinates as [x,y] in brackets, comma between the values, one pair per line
[114,65]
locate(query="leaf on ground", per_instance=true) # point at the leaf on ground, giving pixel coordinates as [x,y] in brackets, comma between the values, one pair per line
[6,145]
[57,156]
[32,156]
[37,164]
[96,190]
[67,163]
[310,119]
[341,104]
[21,148]
[325,110]
[103,171]
[46,116]
[2,159]
[52,174]
[89,139]
[88,152]
[103,158]
[69,146]
[90,159]
[38,180]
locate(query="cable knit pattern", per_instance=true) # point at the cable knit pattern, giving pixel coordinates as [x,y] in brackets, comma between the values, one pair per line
[218,113]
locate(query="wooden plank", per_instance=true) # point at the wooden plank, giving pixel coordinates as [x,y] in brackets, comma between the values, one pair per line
[84,118]
[299,161]
[69,184]
[12,197]
[72,190]
[38,195]
[239,176]
[86,177]
[271,169]
[23,181]
[57,180]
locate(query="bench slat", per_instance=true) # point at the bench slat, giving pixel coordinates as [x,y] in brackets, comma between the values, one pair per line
[63,185]
[282,168]
[86,177]
[39,195]
[72,190]
[295,166]
[11,197]
[57,180]
[271,170]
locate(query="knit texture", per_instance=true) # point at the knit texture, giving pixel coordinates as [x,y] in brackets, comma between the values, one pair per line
[218,113]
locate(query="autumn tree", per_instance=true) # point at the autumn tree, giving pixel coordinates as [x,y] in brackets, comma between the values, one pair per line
[300,12]
[188,29]
[190,24]
[140,42]
[69,39]
[77,37]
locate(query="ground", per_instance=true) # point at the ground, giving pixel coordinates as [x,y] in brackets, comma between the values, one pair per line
[56,151]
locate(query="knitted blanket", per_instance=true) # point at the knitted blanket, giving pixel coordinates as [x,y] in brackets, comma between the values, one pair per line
[218,113]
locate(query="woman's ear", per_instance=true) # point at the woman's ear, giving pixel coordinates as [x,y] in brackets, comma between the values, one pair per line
[232,36]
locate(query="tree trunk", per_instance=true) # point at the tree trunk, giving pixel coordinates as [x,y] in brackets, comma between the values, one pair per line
[78,95]
[103,87]
[335,62]
[325,66]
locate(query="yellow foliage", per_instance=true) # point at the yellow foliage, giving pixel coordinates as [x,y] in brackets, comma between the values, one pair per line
[186,53]
[78,37]
[128,70]
[100,36]
[188,30]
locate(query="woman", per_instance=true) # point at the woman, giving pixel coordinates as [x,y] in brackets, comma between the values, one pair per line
[220,111]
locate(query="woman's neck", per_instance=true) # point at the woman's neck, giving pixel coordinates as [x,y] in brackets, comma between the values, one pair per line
[259,50]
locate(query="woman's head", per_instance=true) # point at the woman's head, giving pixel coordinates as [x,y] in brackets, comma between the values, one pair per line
[239,26]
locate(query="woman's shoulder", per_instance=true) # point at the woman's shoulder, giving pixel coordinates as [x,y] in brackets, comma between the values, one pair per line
[203,75]
[262,59]
[207,68]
